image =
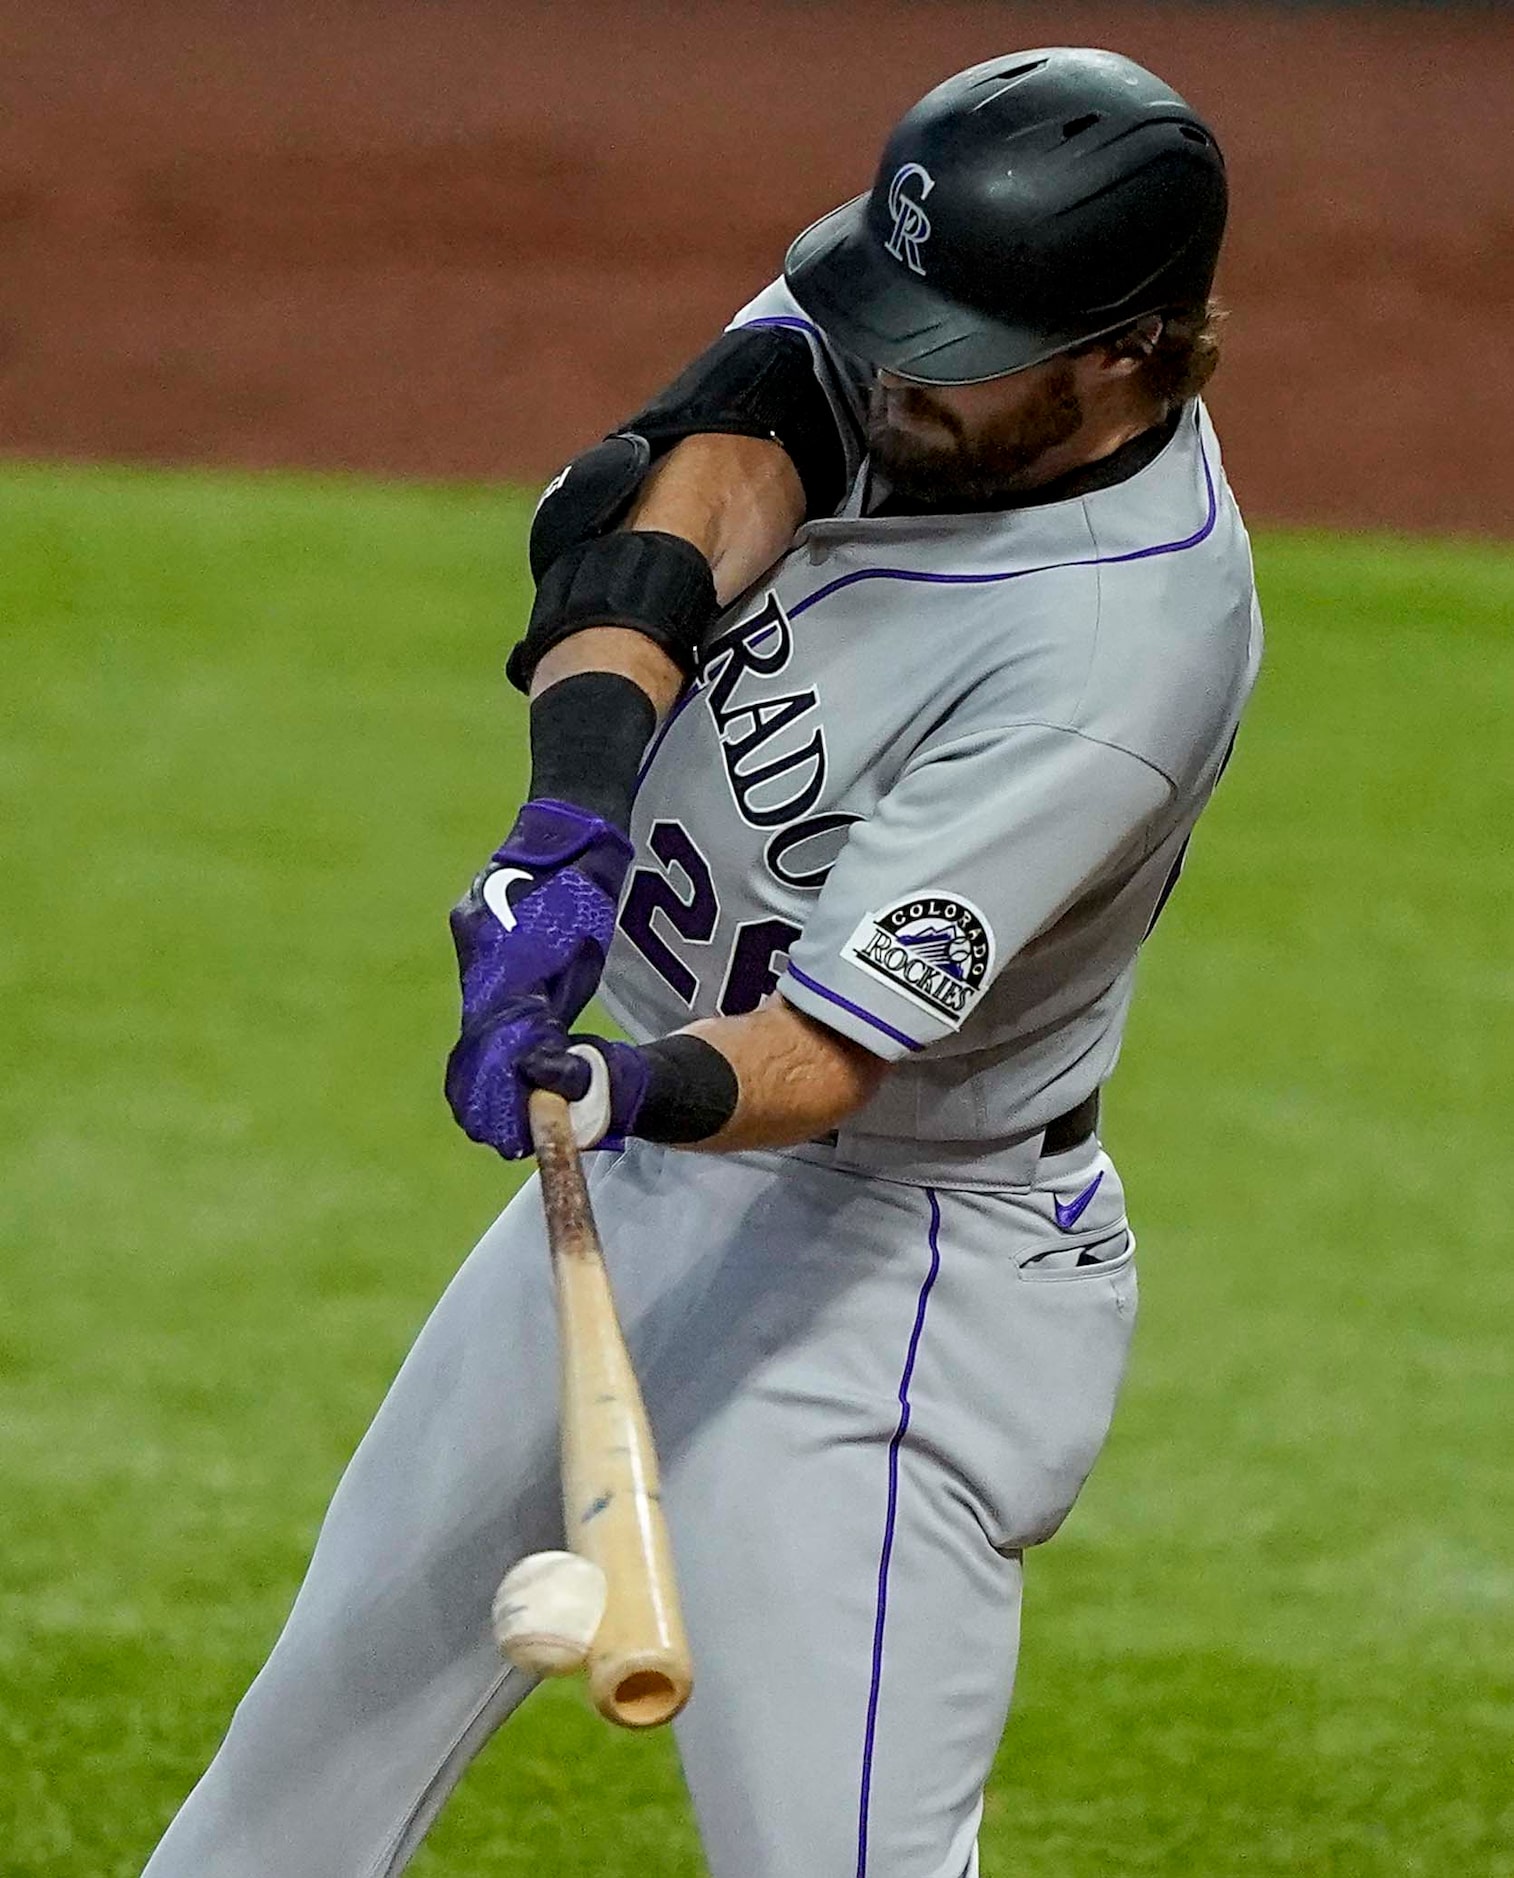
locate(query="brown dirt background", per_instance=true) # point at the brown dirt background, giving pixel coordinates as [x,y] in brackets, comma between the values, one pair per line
[448,238]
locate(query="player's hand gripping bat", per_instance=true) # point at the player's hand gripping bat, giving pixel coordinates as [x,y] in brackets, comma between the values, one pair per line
[612,1603]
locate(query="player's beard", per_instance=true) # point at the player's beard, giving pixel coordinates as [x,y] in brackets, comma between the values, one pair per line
[947,468]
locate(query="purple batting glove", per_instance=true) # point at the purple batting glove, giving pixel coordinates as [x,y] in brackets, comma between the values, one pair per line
[539,918]
[485,1084]
[605,1082]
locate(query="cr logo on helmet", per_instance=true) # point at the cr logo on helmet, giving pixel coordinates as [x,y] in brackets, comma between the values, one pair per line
[911,223]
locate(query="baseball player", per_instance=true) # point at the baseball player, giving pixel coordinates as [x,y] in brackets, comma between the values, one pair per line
[879,671]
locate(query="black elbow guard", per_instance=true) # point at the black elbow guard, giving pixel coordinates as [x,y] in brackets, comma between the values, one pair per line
[655,584]
[587,498]
[755,382]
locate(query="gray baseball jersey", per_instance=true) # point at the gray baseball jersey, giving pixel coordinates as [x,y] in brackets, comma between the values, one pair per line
[932,784]
[934,780]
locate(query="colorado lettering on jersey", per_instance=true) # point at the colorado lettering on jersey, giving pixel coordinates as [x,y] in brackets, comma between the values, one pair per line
[936,949]
[772,746]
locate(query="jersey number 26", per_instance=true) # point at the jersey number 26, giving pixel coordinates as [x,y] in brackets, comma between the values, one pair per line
[689,909]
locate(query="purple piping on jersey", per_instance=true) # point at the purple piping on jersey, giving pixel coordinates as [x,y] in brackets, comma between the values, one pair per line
[886,1557]
[824,991]
[685,697]
[1019,573]
[781,320]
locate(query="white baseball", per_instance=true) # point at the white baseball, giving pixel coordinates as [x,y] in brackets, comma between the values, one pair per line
[547,1610]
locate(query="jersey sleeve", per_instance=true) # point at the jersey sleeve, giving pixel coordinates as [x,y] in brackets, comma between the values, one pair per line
[982,844]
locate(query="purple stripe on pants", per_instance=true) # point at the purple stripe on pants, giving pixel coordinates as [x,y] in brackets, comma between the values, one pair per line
[888,1530]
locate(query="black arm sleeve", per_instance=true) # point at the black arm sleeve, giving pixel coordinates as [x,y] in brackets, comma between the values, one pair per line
[588,734]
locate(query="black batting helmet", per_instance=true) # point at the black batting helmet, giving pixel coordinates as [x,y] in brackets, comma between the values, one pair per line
[1024,207]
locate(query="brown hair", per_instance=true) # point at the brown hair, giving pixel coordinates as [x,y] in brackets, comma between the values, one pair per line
[1178,364]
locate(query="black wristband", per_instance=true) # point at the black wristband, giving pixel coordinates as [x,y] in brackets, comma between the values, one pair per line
[588,735]
[642,579]
[691,1092]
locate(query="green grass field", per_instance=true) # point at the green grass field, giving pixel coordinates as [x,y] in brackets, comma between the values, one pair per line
[256,740]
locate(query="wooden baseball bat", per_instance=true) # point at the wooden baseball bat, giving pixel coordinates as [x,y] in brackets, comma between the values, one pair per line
[640,1671]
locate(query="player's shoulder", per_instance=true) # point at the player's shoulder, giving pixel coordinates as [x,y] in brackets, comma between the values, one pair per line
[1126,614]
[1056,594]
[1176,635]
[1163,559]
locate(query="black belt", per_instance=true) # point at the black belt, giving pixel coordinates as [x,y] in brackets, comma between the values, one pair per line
[1061,1136]
[1074,1128]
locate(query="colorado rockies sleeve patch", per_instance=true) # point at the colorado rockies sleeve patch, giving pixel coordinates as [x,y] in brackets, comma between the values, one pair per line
[935,949]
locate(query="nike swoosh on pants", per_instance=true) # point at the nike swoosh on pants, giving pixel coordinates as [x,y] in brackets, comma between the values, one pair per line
[1069,1214]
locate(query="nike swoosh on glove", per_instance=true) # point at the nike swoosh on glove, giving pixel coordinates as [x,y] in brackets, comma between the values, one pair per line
[539,917]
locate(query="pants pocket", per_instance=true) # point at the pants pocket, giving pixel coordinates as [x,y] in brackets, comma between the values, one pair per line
[1078,1262]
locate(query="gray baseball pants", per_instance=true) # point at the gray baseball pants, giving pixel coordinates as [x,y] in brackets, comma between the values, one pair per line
[869,1398]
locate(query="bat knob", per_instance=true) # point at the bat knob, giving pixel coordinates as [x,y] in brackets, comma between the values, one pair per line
[639,1688]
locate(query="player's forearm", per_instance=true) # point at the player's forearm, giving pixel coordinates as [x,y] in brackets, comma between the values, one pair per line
[767,1080]
[738,500]
[795,1079]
